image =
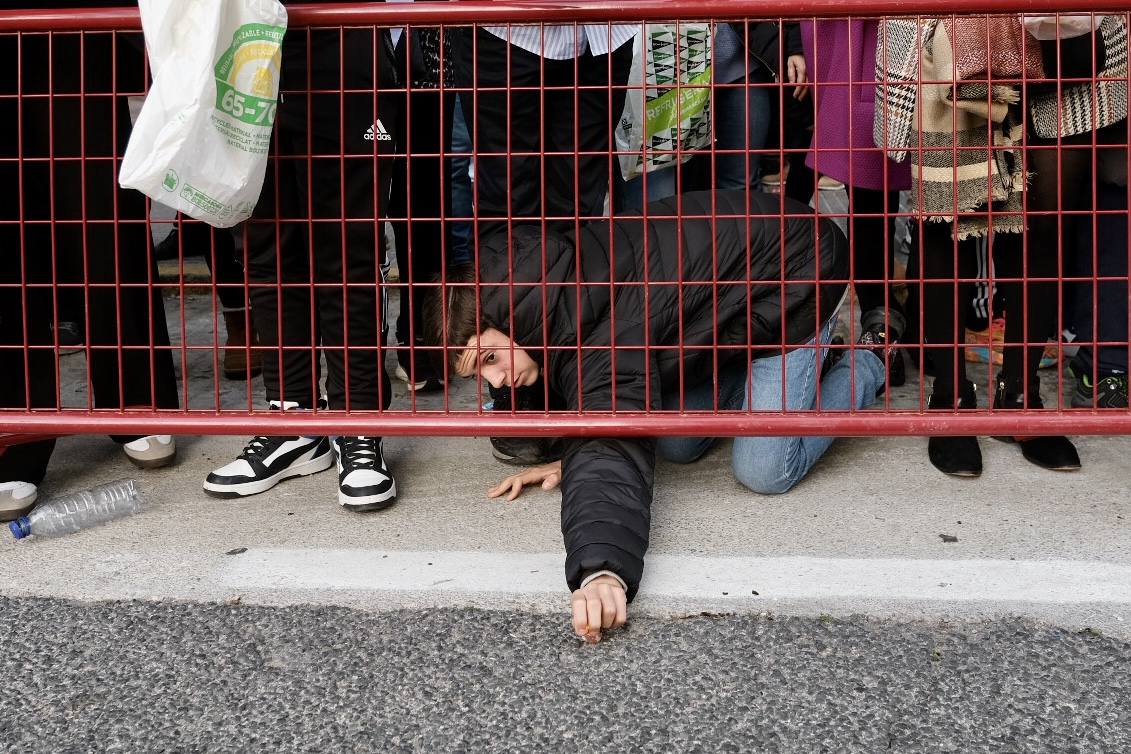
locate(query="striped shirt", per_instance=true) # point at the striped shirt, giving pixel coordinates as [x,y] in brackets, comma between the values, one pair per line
[565,41]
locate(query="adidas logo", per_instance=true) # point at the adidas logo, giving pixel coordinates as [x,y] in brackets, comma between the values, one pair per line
[380,135]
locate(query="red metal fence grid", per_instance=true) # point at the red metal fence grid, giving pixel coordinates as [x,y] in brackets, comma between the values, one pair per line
[76,122]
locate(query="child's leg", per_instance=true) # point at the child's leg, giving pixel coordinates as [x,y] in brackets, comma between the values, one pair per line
[772,465]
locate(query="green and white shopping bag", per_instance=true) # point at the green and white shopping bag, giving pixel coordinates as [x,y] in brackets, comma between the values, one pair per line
[667,110]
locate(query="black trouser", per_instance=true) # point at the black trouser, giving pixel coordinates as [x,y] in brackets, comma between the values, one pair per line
[1012,258]
[944,260]
[421,191]
[1100,309]
[1075,184]
[130,363]
[796,134]
[523,121]
[315,253]
[873,247]
[1033,306]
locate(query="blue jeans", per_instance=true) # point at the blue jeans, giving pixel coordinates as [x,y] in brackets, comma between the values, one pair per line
[462,196]
[661,185]
[740,113]
[773,465]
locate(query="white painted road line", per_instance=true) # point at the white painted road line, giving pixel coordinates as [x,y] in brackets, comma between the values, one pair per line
[1033,581]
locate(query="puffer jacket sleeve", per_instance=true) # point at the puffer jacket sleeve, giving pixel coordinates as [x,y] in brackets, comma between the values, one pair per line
[607,482]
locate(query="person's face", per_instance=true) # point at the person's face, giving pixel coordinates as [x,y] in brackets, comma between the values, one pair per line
[491,355]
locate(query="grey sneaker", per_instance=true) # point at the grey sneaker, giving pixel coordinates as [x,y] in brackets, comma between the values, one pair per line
[151,451]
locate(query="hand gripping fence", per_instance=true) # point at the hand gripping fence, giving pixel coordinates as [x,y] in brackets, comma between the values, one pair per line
[589,206]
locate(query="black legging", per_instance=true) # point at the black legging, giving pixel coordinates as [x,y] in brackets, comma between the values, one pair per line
[872,238]
[939,257]
[873,246]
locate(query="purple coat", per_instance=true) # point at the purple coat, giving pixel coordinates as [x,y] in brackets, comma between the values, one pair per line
[844,109]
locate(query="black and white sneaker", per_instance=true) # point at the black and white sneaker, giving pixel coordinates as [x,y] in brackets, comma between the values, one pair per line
[266,461]
[364,481]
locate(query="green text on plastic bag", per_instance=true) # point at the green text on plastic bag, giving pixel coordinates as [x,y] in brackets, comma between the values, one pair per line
[661,114]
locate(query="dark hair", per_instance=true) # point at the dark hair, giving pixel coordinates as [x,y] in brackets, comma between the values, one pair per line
[451,311]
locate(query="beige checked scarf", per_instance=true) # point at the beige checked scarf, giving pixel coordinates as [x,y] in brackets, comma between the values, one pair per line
[963,151]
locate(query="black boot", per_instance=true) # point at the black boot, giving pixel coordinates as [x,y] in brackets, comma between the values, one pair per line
[523,451]
[1053,452]
[882,329]
[955,455]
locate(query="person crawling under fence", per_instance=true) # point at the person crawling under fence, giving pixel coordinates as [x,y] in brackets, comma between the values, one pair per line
[729,309]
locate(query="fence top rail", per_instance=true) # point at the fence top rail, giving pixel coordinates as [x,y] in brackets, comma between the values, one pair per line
[562,11]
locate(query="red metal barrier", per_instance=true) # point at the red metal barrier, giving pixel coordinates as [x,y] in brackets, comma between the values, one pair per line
[72,233]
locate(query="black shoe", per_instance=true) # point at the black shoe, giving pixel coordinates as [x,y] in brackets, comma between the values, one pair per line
[1110,391]
[71,338]
[894,370]
[955,455]
[832,355]
[70,335]
[882,329]
[527,451]
[364,481]
[1053,452]
[523,451]
[266,461]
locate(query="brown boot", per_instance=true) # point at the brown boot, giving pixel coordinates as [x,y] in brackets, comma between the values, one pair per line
[237,356]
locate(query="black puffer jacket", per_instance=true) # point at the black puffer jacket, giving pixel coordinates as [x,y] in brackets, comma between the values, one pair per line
[658,293]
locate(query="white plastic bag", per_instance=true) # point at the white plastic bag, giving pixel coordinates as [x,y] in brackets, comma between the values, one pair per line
[660,119]
[1045,27]
[200,143]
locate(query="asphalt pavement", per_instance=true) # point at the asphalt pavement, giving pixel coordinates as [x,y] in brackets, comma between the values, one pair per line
[165,676]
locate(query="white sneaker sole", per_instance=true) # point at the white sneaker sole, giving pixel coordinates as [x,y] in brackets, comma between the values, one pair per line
[154,457]
[11,509]
[369,502]
[306,468]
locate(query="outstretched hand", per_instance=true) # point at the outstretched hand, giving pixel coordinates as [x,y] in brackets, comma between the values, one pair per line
[599,605]
[548,475]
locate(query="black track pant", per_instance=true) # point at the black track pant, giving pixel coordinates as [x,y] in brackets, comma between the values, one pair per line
[315,253]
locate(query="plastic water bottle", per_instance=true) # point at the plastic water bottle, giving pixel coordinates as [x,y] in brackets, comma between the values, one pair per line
[68,514]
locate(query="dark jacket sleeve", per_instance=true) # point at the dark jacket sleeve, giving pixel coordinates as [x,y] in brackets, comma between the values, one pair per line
[607,482]
[792,34]
[769,47]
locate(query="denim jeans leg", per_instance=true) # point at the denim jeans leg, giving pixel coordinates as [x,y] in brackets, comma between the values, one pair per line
[773,465]
[732,382]
[742,121]
[661,185]
[461,188]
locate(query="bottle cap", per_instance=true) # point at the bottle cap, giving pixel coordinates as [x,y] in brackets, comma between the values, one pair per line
[20,528]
